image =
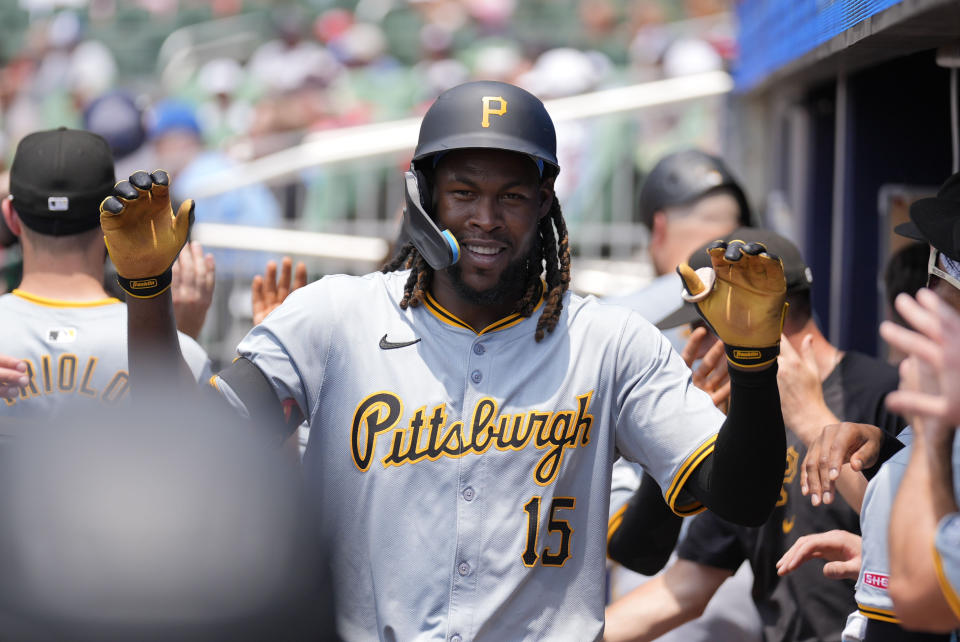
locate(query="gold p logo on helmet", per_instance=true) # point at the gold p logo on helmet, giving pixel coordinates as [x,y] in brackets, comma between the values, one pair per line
[489,111]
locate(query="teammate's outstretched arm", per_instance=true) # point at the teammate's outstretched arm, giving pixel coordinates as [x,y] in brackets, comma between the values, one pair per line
[656,607]
[144,238]
[742,299]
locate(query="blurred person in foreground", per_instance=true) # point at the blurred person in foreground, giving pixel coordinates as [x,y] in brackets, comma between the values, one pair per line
[817,383]
[688,199]
[897,588]
[60,321]
[164,522]
[924,523]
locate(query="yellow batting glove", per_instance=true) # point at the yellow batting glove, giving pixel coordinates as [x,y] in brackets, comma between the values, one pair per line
[742,299]
[142,235]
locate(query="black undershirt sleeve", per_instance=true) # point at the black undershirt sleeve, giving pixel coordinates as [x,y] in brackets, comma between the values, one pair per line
[648,533]
[740,480]
[267,414]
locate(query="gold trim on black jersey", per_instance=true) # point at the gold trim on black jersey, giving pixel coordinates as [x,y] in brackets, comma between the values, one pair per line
[451,319]
[874,613]
[59,303]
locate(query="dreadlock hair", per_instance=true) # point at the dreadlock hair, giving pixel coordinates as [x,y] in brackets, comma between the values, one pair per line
[551,252]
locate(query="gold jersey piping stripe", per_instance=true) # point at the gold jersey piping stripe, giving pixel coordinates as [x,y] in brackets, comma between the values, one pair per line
[58,303]
[878,614]
[945,586]
[686,469]
[451,319]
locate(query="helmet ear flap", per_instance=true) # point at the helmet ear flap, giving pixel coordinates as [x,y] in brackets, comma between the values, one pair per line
[426,193]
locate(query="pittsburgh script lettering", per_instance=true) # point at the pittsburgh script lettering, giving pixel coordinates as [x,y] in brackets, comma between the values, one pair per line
[429,434]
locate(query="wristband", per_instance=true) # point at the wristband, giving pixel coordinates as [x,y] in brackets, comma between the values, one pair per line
[148,287]
[752,357]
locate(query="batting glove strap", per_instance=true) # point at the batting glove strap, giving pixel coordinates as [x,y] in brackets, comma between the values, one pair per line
[744,357]
[146,288]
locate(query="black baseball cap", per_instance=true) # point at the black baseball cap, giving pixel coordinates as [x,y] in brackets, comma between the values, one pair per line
[58,179]
[936,220]
[798,275]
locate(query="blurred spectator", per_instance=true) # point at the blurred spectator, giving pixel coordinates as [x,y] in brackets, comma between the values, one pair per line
[116,116]
[223,117]
[178,144]
[906,272]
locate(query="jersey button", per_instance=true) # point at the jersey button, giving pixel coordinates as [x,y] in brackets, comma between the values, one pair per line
[468,493]
[476,376]
[479,348]
[455,638]
[463,568]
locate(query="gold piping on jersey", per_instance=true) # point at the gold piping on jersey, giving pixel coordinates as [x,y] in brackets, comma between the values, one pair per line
[686,469]
[949,594]
[614,524]
[428,436]
[506,322]
[874,613]
[59,303]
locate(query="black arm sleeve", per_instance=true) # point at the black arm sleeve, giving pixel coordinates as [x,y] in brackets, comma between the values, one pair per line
[266,412]
[647,532]
[740,480]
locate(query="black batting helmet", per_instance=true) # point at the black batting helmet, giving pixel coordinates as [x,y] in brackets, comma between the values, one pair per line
[683,177]
[490,115]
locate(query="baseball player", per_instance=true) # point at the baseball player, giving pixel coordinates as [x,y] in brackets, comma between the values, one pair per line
[465,408]
[60,321]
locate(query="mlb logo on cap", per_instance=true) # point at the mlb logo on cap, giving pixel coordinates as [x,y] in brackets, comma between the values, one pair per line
[58,203]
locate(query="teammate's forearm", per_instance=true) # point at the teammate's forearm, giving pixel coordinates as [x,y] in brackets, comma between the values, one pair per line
[153,349]
[647,531]
[741,479]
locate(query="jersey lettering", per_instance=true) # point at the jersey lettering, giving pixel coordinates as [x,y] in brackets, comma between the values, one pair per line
[69,376]
[429,436]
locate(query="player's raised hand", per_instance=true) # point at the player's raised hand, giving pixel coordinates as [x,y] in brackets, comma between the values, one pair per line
[838,444]
[268,292]
[840,548]
[711,375]
[937,344]
[194,275]
[742,299]
[13,376]
[142,234]
[801,394]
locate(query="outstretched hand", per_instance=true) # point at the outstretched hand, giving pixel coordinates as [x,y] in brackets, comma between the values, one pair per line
[712,375]
[838,444]
[801,392]
[936,344]
[742,299]
[194,275]
[142,235]
[840,548]
[268,292]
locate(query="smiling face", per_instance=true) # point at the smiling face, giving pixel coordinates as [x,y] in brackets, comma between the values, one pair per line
[492,201]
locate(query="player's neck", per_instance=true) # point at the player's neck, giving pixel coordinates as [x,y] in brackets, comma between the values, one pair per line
[476,316]
[63,286]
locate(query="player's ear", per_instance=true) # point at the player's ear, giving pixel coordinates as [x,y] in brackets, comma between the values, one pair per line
[546,195]
[658,229]
[10,216]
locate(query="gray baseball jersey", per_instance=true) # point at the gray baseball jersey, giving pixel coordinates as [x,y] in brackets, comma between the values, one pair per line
[872,594]
[946,550]
[74,351]
[462,478]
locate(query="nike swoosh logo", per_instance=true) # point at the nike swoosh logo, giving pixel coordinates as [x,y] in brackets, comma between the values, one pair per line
[390,345]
